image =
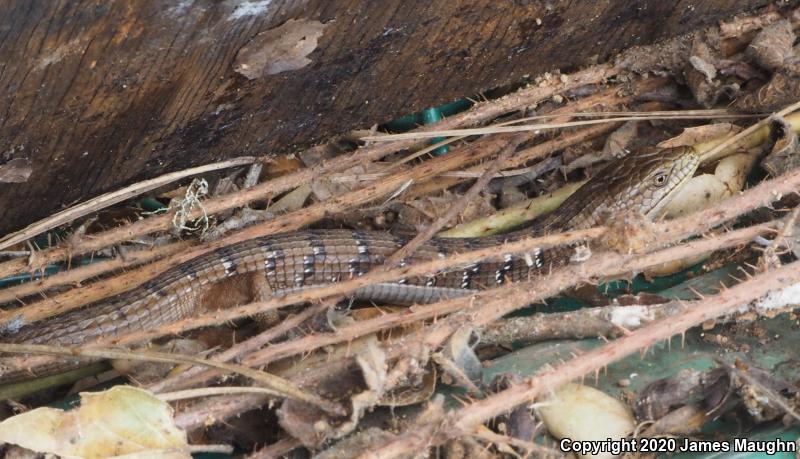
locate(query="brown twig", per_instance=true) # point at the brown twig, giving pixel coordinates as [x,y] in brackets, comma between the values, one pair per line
[745,23]
[607,321]
[278,449]
[77,275]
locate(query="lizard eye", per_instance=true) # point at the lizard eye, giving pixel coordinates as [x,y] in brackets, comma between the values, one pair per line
[660,179]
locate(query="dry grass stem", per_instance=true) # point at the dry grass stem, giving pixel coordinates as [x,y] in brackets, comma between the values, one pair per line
[278,386]
[213,391]
[105,200]
[276,450]
[538,127]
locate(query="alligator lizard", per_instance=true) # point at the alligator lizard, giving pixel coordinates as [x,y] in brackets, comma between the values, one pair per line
[641,183]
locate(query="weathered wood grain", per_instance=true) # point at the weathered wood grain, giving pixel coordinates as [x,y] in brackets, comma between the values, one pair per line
[97,94]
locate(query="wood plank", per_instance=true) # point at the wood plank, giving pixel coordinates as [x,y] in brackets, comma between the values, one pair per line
[100,93]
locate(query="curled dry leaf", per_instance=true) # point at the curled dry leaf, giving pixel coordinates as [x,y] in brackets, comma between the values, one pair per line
[519,423]
[616,145]
[660,396]
[362,385]
[121,421]
[785,153]
[772,45]
[686,420]
[771,97]
[460,350]
[280,49]
[698,134]
[701,73]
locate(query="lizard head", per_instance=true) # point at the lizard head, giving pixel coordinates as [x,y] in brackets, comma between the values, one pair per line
[642,182]
[656,177]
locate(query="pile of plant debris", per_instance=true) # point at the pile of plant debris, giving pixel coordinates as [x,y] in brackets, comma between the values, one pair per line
[679,328]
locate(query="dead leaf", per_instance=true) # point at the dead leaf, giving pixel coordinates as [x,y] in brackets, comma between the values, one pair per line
[280,49]
[616,146]
[519,423]
[659,397]
[121,421]
[361,384]
[771,97]
[699,134]
[772,45]
[702,73]
[785,153]
[684,421]
[460,349]
[15,171]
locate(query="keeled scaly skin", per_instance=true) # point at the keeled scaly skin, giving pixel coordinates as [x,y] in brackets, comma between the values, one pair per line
[642,183]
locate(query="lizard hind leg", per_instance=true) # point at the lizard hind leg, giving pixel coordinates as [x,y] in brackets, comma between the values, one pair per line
[261,291]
